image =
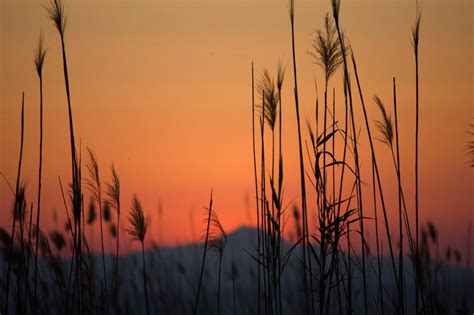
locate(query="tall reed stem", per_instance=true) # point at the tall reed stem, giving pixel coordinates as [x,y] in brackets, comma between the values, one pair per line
[203,256]
[39,59]
[15,208]
[301,164]
[400,217]
[144,279]
[256,192]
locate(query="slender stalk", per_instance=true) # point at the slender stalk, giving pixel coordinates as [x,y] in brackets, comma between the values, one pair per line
[379,259]
[301,163]
[113,192]
[57,15]
[203,256]
[389,238]
[30,249]
[219,286]
[263,229]
[416,38]
[117,262]
[400,218]
[12,234]
[39,60]
[256,191]
[144,279]
[138,232]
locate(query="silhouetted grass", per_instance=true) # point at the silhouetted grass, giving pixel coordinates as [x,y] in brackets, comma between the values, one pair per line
[17,200]
[39,61]
[138,232]
[113,193]
[415,42]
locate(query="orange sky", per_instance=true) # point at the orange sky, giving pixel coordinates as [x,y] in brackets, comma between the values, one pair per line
[162,89]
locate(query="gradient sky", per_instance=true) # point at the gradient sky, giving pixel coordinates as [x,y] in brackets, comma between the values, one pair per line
[162,89]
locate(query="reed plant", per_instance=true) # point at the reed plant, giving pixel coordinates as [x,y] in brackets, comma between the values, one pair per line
[217,240]
[327,55]
[56,13]
[203,262]
[304,215]
[139,226]
[94,184]
[415,42]
[17,203]
[257,206]
[113,194]
[39,61]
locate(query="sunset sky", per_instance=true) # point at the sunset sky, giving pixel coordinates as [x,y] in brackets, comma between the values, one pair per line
[162,89]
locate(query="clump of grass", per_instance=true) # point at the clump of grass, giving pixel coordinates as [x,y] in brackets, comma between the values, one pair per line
[138,232]
[328,56]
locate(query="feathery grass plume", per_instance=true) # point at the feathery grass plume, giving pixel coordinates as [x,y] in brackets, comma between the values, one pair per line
[17,190]
[138,232]
[113,194]
[327,53]
[415,30]
[385,126]
[217,241]
[415,41]
[40,56]
[267,90]
[137,221]
[281,70]
[291,10]
[217,235]
[113,190]
[336,6]
[55,10]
